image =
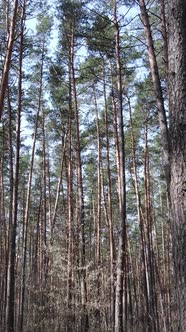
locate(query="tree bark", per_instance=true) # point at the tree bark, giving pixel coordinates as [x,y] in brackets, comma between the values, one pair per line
[177,104]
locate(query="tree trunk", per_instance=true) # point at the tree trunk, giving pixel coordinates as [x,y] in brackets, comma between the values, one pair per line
[141,222]
[27,207]
[26,218]
[164,35]
[7,62]
[121,259]
[157,86]
[98,219]
[177,104]
[12,258]
[70,176]
[110,212]
[3,249]
[80,203]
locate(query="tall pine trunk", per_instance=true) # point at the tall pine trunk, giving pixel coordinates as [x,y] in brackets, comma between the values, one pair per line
[80,194]
[177,105]
[110,210]
[121,258]
[13,228]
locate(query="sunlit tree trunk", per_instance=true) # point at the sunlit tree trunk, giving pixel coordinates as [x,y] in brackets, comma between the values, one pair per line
[98,218]
[100,191]
[110,210]
[121,259]
[63,149]
[70,205]
[44,200]
[80,202]
[115,131]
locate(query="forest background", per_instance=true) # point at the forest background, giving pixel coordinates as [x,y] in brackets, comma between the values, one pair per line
[85,236]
